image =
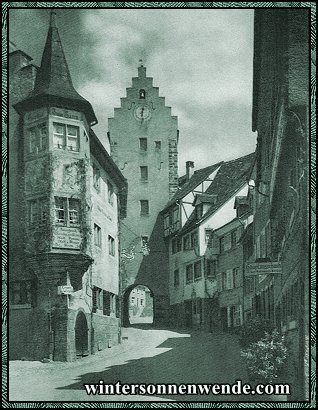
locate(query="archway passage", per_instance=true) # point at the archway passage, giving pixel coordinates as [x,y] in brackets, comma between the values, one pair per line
[81,335]
[138,306]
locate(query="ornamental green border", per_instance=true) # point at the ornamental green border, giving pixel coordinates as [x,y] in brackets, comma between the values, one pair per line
[312,233]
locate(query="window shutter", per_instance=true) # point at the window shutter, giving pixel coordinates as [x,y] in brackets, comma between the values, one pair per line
[227,242]
[229,279]
[106,303]
[94,300]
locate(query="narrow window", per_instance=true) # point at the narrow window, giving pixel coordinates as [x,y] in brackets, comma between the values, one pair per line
[97,236]
[60,210]
[197,270]
[142,94]
[111,245]
[158,145]
[144,207]
[72,138]
[32,140]
[43,138]
[208,236]
[144,174]
[58,135]
[211,268]
[73,211]
[43,207]
[143,144]
[34,211]
[189,274]
[176,277]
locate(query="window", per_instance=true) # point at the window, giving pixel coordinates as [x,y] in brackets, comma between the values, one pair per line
[58,136]
[194,239]
[96,178]
[224,282]
[33,211]
[144,174]
[43,208]
[60,210]
[73,211]
[229,279]
[237,312]
[32,140]
[65,137]
[189,274]
[143,144]
[211,268]
[208,235]
[111,245]
[97,236]
[197,270]
[110,192]
[43,138]
[144,207]
[67,211]
[142,94]
[233,238]
[174,245]
[97,299]
[237,278]
[186,243]
[222,244]
[176,277]
[20,292]
[227,242]
[158,145]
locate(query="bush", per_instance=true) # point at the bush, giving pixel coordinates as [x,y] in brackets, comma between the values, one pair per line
[265,359]
[254,330]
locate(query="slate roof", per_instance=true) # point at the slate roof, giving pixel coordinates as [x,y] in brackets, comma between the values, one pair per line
[197,178]
[231,176]
[53,84]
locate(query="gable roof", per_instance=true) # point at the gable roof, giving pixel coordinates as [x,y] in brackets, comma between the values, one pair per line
[197,178]
[231,176]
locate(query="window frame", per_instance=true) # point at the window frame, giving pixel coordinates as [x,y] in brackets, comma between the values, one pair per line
[97,235]
[144,207]
[111,246]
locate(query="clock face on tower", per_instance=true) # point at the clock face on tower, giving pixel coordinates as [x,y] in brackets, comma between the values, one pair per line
[142,112]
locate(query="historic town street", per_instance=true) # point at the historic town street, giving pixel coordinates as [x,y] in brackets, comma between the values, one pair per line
[147,355]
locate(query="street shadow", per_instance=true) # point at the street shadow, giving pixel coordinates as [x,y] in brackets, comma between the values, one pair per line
[197,359]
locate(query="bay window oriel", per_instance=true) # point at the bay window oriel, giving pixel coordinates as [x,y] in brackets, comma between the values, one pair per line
[67,211]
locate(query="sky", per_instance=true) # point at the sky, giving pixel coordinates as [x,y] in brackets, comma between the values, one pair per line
[201,60]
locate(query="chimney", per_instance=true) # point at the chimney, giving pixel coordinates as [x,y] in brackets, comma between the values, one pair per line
[189,169]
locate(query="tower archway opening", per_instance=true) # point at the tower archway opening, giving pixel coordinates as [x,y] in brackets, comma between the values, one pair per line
[138,306]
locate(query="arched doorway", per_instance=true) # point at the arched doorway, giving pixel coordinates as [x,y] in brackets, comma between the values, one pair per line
[81,335]
[138,306]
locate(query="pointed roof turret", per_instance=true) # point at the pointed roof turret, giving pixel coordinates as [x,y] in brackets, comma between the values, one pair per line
[53,84]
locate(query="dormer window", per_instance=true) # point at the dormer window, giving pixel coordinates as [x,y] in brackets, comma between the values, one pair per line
[142,94]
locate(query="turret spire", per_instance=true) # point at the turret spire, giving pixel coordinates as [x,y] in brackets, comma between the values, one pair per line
[53,84]
[53,18]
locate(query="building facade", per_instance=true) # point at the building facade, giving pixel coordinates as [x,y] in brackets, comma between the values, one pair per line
[281,206]
[203,205]
[66,198]
[144,137]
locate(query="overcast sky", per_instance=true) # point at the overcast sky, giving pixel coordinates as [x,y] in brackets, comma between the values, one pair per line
[201,60]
